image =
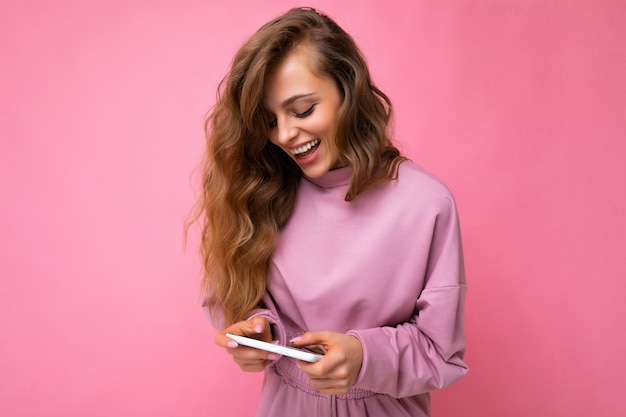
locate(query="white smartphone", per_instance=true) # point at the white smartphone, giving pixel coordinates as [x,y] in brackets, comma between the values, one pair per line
[281,350]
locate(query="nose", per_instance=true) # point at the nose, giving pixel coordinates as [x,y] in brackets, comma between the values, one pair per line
[286,131]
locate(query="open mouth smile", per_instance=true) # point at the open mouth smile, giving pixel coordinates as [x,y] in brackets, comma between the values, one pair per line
[306,149]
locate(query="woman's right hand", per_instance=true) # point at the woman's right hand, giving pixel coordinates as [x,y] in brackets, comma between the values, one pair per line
[248,359]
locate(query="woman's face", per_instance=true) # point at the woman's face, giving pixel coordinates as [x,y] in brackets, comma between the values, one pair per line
[304,107]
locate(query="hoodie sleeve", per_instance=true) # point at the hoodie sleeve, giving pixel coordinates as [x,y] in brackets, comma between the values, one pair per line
[426,352]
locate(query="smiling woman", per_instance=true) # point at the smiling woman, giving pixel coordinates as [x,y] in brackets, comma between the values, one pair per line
[307,206]
[305,107]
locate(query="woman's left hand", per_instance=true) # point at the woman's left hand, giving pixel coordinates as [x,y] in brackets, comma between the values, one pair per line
[338,370]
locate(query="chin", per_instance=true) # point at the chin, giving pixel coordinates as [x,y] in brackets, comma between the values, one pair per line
[314,172]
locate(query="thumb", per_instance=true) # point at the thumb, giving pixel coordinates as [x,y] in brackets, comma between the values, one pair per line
[260,327]
[312,338]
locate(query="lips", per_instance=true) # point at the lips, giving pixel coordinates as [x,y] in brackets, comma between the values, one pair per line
[307,149]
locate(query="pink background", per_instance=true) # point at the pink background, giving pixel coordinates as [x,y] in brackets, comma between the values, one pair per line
[518,105]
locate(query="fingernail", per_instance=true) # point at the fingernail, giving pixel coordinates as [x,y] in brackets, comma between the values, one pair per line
[295,339]
[232,344]
[258,328]
[273,357]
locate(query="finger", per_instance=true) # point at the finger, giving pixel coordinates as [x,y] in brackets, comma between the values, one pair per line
[257,367]
[312,338]
[224,341]
[330,386]
[259,325]
[244,353]
[246,327]
[250,364]
[256,328]
[334,391]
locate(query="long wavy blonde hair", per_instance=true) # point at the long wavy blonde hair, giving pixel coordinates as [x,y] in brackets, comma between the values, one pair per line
[249,185]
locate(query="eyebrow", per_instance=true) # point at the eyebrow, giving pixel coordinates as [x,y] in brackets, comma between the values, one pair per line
[294,98]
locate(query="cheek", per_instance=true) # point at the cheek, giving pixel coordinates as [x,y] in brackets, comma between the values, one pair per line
[328,127]
[328,120]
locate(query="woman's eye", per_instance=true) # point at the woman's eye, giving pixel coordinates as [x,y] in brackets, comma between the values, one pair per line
[306,112]
[272,124]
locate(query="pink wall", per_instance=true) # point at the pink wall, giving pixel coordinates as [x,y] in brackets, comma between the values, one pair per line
[518,105]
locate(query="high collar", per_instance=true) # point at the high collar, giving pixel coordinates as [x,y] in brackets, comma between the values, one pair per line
[334,178]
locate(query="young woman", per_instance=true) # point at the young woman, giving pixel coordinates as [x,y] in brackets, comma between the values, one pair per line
[316,231]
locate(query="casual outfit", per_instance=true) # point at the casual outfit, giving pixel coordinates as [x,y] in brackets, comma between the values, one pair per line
[386,268]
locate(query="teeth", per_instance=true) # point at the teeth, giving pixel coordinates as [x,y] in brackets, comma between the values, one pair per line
[306,147]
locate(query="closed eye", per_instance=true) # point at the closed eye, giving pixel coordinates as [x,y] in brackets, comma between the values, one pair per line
[305,113]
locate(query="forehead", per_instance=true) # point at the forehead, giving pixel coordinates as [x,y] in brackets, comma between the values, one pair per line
[294,75]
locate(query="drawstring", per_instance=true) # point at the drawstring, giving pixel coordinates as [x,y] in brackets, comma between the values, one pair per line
[333,406]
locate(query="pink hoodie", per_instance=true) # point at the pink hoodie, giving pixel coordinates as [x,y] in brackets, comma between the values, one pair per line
[386,268]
